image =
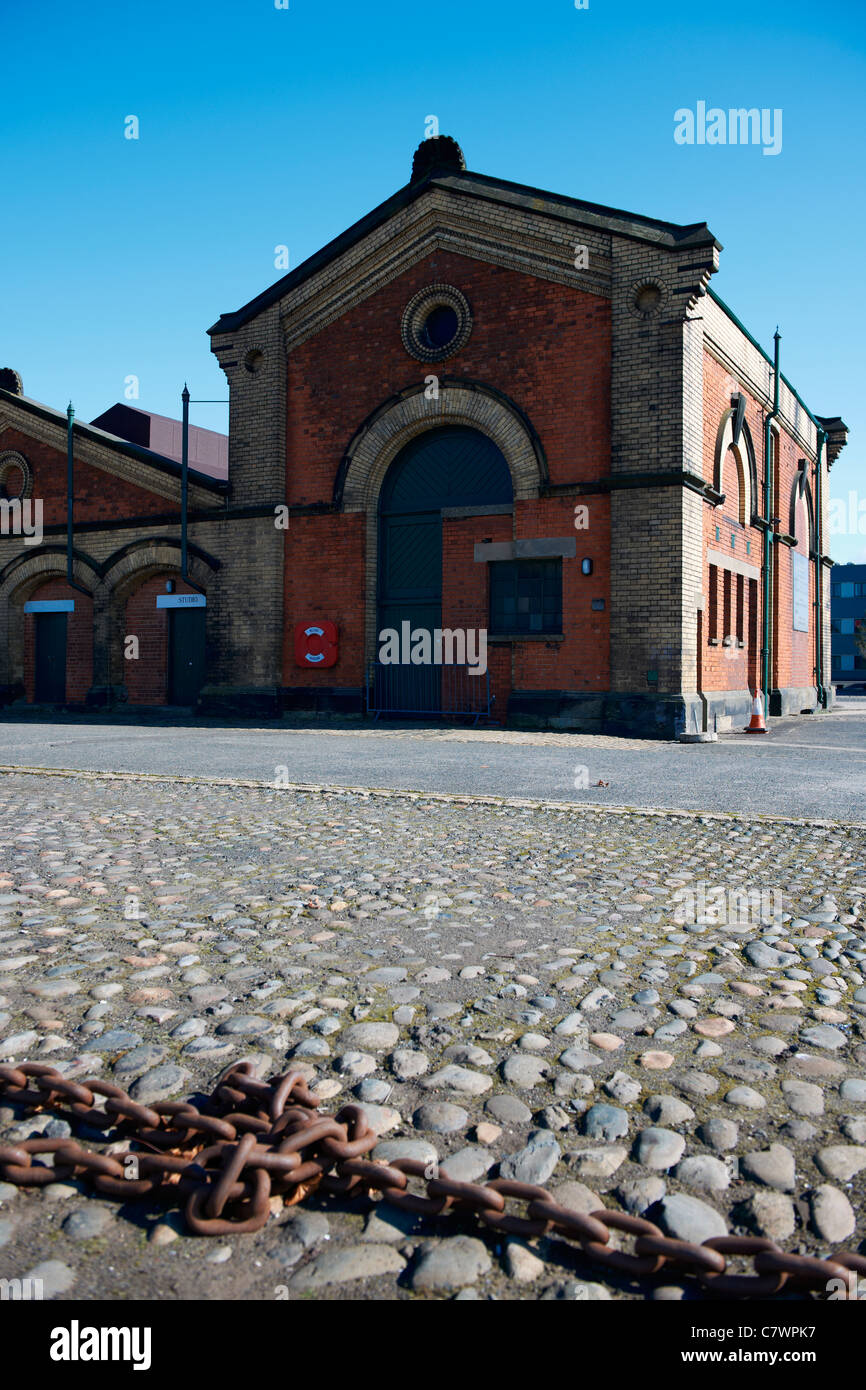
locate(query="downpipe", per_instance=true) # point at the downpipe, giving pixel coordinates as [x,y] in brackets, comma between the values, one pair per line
[769,532]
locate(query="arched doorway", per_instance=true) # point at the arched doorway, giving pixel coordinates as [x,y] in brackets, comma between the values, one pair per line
[448,466]
[165,663]
[58,644]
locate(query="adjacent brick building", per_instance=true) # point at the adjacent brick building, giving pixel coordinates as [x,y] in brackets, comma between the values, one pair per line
[847,616]
[483,406]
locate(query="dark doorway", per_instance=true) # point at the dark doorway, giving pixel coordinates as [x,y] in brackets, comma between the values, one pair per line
[50,686]
[448,466]
[185,655]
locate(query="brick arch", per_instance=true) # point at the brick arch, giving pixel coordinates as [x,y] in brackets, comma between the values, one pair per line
[24,574]
[19,581]
[141,561]
[801,493]
[388,429]
[744,458]
[382,436]
[126,572]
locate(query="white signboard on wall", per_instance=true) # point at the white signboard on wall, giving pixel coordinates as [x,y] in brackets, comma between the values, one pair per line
[181,601]
[800,573]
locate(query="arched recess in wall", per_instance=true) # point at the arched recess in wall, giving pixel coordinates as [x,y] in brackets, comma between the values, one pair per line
[800,503]
[131,567]
[397,421]
[744,456]
[19,580]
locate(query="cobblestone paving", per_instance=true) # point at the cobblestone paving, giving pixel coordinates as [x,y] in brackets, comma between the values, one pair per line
[657,1013]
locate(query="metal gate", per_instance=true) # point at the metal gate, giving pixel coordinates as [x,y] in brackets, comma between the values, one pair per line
[449,692]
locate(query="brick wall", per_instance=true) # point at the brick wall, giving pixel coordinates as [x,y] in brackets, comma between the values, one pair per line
[146,678]
[98,495]
[545,346]
[324,578]
[793,662]
[548,348]
[79,641]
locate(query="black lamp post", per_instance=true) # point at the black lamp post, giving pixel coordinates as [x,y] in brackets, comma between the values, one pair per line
[184,473]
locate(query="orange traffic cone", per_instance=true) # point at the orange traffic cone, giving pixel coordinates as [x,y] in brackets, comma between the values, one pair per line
[757,724]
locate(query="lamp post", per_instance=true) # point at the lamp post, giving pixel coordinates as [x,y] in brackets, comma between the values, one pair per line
[184,479]
[70,488]
[184,473]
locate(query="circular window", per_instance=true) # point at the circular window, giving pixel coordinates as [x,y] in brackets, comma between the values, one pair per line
[13,483]
[441,327]
[254,361]
[14,476]
[436,323]
[647,297]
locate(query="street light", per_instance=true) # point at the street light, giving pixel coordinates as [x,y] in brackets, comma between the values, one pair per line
[184,472]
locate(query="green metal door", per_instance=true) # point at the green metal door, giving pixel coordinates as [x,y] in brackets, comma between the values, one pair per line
[185,655]
[411,591]
[50,684]
[448,466]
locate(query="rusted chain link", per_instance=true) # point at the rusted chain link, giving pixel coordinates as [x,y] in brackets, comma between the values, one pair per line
[251,1141]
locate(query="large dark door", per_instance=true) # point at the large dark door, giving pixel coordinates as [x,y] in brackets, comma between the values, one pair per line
[185,655]
[449,466]
[50,688]
[410,589]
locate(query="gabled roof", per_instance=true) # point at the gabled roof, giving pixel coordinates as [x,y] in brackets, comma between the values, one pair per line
[537,201]
[120,446]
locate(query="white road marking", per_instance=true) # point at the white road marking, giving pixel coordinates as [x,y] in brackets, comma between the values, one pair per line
[783,747]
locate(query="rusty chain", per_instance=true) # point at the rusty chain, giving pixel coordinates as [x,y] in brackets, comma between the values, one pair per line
[252,1141]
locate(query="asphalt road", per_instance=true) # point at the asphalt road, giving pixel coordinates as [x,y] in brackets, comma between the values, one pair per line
[811,766]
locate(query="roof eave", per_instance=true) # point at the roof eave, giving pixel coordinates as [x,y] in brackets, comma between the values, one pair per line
[112,441]
[480,186]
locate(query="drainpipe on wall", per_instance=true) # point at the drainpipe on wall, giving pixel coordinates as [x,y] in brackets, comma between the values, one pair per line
[184,479]
[70,488]
[822,692]
[769,534]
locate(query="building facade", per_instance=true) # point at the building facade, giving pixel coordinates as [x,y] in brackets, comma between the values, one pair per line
[490,409]
[847,613]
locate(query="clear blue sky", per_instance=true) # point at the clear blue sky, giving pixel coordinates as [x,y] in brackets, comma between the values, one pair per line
[261,127]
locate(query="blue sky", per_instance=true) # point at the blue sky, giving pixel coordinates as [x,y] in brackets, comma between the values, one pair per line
[261,127]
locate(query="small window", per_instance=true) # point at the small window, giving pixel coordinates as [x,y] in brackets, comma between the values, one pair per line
[525,597]
[846,661]
[713,614]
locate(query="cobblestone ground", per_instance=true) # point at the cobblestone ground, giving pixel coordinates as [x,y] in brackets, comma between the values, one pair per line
[655,1013]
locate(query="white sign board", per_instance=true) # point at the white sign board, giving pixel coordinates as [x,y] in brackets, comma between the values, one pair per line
[181,601]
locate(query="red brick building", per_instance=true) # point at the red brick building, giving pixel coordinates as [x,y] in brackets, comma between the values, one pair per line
[65,618]
[483,408]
